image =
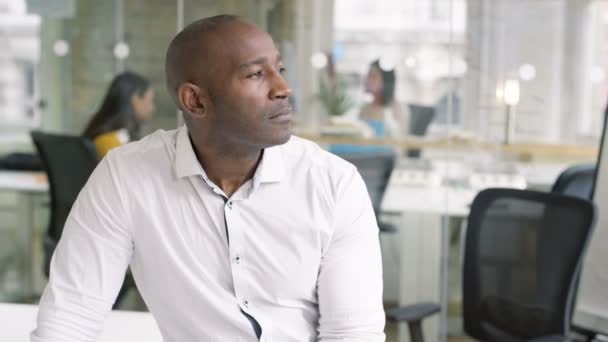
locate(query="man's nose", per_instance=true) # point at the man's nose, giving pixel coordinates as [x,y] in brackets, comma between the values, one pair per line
[279,89]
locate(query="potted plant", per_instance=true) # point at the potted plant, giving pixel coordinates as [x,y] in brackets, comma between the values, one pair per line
[333,94]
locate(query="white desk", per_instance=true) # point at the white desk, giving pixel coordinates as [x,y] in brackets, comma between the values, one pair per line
[20,319]
[23,181]
[424,235]
[432,200]
[26,185]
[423,245]
[540,176]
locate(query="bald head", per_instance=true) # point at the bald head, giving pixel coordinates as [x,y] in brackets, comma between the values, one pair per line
[194,53]
[226,75]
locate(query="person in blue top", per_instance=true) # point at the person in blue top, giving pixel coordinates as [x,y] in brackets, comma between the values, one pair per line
[386,117]
[383,114]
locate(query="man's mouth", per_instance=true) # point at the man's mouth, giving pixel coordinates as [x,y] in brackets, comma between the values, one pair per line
[281,113]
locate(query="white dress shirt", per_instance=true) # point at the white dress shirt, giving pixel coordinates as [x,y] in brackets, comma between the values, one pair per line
[296,248]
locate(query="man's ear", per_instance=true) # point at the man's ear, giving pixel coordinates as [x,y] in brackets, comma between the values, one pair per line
[193,100]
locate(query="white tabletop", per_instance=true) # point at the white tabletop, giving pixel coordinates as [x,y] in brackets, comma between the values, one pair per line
[430,200]
[454,200]
[540,175]
[20,319]
[23,181]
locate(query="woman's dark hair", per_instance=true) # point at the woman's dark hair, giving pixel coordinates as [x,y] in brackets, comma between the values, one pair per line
[116,110]
[388,83]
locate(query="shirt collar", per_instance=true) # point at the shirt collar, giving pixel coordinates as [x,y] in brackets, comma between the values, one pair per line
[186,163]
[270,170]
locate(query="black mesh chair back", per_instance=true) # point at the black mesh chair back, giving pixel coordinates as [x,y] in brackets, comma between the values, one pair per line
[68,162]
[420,119]
[576,181]
[523,254]
[375,169]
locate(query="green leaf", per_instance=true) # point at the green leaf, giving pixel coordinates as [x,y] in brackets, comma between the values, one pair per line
[333,95]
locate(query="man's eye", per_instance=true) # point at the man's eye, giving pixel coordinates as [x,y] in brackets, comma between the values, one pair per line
[282,70]
[256,74]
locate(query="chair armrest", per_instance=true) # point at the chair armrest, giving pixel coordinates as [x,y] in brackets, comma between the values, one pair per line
[412,313]
[386,227]
[552,338]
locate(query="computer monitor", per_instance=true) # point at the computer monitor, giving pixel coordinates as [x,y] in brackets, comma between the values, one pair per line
[420,119]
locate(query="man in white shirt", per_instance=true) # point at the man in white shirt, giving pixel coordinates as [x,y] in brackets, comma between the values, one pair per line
[234,229]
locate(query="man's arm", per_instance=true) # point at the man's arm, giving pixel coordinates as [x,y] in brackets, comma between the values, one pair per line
[350,279]
[89,263]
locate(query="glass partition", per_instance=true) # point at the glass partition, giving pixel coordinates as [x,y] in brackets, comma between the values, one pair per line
[481,94]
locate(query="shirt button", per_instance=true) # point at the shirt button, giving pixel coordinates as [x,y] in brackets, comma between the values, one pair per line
[237,259]
[230,204]
[246,303]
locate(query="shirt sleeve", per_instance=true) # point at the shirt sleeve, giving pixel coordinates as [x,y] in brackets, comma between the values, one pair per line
[89,263]
[350,278]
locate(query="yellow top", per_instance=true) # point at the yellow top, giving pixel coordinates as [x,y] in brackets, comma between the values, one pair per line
[107,141]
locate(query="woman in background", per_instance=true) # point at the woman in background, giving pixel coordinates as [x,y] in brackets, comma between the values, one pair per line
[128,103]
[383,114]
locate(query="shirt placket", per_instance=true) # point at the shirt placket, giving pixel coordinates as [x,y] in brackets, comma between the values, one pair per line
[234,227]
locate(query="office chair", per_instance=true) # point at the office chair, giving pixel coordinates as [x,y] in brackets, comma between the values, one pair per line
[576,181]
[68,162]
[375,169]
[420,119]
[523,254]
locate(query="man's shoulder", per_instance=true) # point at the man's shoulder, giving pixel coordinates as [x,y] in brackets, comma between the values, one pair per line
[305,154]
[155,145]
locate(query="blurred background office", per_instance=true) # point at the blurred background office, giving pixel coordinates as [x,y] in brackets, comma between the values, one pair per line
[502,93]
